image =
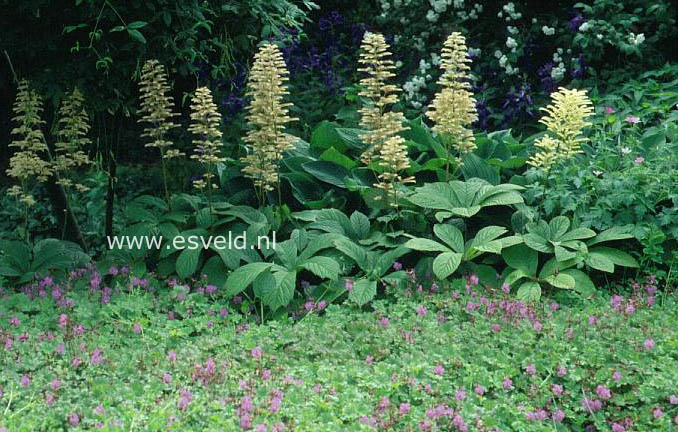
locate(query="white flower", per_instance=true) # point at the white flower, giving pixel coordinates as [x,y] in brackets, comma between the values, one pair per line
[599,36]
[458,4]
[502,61]
[625,150]
[475,52]
[585,26]
[511,43]
[435,59]
[534,20]
[597,173]
[636,40]
[548,31]
[498,54]
[431,16]
[399,64]
[512,29]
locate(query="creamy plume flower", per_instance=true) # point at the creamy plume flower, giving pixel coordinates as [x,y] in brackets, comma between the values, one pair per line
[156,108]
[267,115]
[565,120]
[205,124]
[72,138]
[454,108]
[381,125]
[378,122]
[26,164]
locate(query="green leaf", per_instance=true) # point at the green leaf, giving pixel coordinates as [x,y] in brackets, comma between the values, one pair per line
[485,239]
[187,262]
[559,226]
[136,35]
[582,283]
[137,24]
[529,291]
[578,234]
[522,258]
[328,172]
[363,291]
[361,224]
[514,276]
[451,236]
[561,280]
[283,291]
[333,155]
[325,136]
[353,251]
[600,262]
[426,245]
[618,257]
[614,233]
[475,167]
[241,277]
[323,267]
[445,264]
[563,254]
[537,242]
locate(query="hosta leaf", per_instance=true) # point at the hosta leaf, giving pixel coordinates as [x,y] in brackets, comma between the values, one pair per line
[445,264]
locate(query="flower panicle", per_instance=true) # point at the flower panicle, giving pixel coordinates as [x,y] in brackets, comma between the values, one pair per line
[72,139]
[565,119]
[26,164]
[267,115]
[453,109]
[382,127]
[156,108]
[205,125]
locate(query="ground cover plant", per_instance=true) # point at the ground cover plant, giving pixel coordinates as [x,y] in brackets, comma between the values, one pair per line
[384,216]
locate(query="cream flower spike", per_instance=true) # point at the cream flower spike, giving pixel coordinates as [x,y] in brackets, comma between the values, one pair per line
[454,108]
[565,120]
[26,165]
[267,115]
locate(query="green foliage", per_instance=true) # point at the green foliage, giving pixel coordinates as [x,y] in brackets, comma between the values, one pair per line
[455,251]
[23,263]
[464,199]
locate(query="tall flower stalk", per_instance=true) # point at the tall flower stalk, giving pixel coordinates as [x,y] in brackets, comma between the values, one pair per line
[565,120]
[156,111]
[382,126]
[26,165]
[267,115]
[71,140]
[453,109]
[205,125]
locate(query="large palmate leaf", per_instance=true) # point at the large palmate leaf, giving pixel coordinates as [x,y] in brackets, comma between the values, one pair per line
[454,250]
[464,199]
